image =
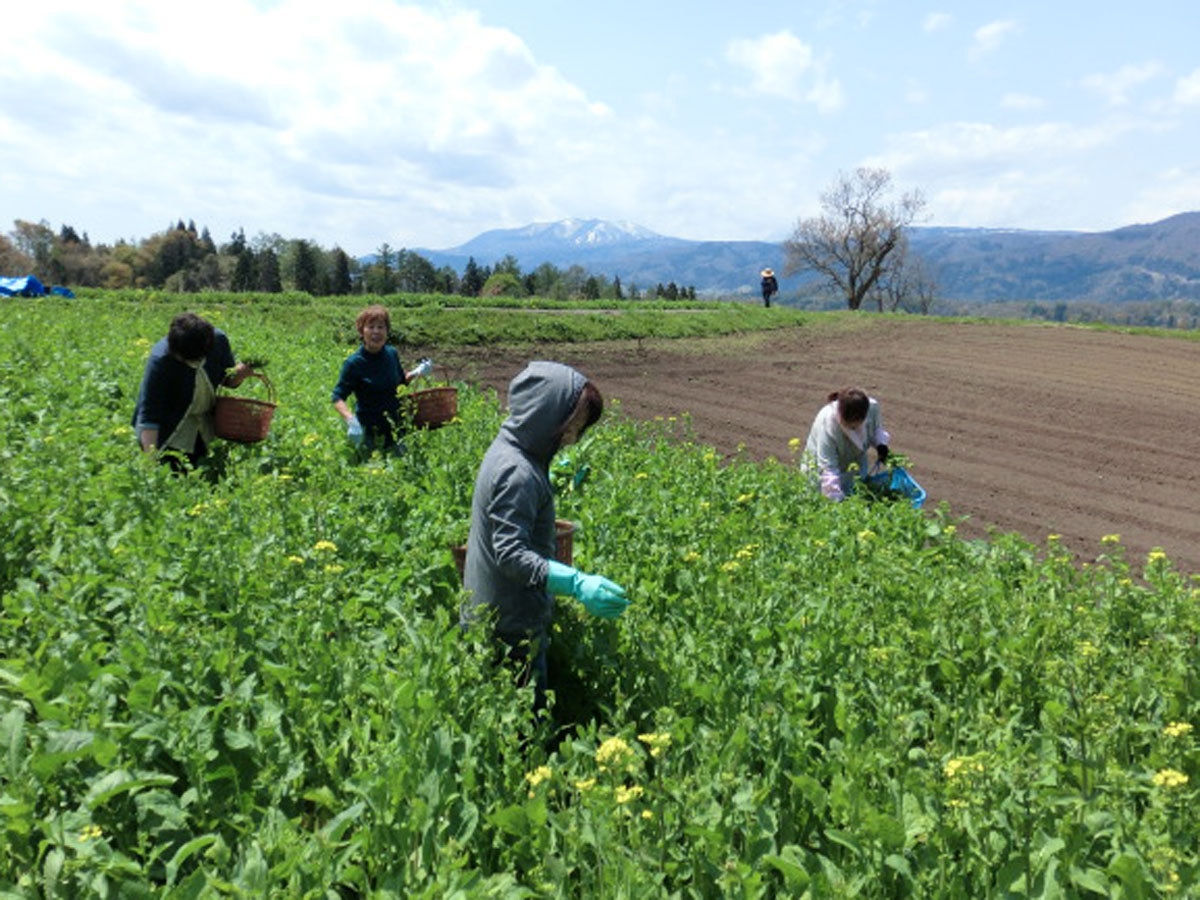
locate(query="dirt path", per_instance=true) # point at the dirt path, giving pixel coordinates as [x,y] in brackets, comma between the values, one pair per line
[1031,429]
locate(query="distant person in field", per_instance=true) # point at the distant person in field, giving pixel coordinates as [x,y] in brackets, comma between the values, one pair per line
[770,287]
[372,375]
[511,571]
[846,428]
[175,404]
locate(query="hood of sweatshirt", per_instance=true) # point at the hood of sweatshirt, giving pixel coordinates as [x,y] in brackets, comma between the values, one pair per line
[540,399]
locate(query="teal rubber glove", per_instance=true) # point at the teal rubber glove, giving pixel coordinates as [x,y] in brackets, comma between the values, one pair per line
[599,596]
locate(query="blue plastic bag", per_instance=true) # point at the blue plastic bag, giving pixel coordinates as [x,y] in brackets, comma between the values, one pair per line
[897,482]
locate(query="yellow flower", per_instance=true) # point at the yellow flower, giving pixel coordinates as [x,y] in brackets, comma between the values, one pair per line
[745,498]
[1178,729]
[962,765]
[795,444]
[296,560]
[198,510]
[691,556]
[1087,649]
[625,794]
[1053,538]
[1111,539]
[321,546]
[91,833]
[1156,555]
[334,569]
[585,785]
[731,566]
[647,815]
[613,754]
[657,742]
[1169,778]
[641,476]
[866,535]
[950,530]
[538,775]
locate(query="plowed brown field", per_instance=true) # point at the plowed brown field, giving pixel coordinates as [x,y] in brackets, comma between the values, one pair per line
[1018,428]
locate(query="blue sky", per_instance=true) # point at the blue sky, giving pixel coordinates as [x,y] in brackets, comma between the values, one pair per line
[422,124]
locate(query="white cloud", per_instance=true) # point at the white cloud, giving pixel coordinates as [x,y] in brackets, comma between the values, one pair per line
[1187,89]
[359,117]
[1026,176]
[989,37]
[1175,190]
[958,143]
[1117,86]
[1015,100]
[782,65]
[937,21]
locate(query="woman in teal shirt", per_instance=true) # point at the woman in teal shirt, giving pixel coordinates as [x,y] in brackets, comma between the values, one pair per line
[373,374]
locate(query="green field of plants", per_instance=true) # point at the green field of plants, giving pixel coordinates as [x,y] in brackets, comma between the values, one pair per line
[250,682]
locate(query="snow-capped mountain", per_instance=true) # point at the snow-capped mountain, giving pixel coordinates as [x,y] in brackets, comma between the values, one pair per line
[559,242]
[582,232]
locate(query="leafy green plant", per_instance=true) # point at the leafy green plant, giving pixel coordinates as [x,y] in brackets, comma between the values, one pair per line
[250,680]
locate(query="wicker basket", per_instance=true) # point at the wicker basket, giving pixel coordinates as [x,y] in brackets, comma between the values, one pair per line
[564,546]
[242,419]
[432,407]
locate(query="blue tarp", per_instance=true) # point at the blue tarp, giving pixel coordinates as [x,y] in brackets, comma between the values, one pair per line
[59,291]
[25,286]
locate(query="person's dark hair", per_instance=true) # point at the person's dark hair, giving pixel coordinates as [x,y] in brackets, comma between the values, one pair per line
[373,313]
[852,404]
[589,398]
[190,337]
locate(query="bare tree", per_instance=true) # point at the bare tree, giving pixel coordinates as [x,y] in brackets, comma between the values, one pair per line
[853,242]
[908,285]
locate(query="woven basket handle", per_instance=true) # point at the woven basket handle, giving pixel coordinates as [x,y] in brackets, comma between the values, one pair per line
[261,376]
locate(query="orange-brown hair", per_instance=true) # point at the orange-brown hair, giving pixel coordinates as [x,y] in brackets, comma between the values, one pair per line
[373,313]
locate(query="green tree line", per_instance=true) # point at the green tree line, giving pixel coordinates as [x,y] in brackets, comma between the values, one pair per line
[185,259]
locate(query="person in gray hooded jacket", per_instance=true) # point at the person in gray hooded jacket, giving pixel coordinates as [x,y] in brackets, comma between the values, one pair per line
[510,569]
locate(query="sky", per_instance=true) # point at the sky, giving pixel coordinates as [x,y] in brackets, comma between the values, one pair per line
[364,122]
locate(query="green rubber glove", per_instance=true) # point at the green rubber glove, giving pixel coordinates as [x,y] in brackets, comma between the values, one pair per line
[599,596]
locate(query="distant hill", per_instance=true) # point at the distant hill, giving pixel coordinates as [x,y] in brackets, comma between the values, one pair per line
[1159,261]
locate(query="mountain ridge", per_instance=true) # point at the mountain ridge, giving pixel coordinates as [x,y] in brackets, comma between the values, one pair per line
[1148,261]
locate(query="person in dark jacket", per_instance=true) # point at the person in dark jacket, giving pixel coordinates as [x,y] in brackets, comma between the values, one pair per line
[174,411]
[510,570]
[372,374]
[770,286]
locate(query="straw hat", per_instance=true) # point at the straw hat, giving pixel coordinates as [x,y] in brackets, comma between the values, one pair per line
[767,273]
